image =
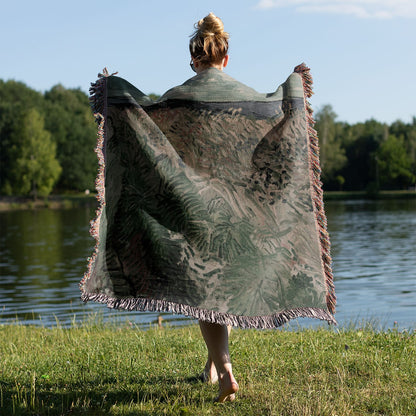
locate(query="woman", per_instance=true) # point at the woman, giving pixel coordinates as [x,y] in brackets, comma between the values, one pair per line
[211,203]
[209,49]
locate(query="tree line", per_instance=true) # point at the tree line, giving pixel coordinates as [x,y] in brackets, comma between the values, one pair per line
[47,140]
[47,143]
[368,156]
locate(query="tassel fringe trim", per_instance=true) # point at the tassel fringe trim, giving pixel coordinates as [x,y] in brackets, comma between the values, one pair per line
[317,193]
[98,102]
[245,322]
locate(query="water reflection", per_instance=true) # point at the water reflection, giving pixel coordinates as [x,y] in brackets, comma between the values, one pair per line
[43,255]
[374,252]
[41,252]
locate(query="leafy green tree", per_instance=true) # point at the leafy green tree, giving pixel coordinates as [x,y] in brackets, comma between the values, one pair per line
[15,92]
[6,128]
[408,132]
[71,123]
[153,96]
[15,97]
[361,142]
[332,155]
[394,164]
[34,168]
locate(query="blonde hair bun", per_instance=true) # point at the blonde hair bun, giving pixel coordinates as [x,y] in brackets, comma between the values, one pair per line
[211,25]
[209,42]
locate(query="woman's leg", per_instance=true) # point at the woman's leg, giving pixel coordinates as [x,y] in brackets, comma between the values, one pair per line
[210,372]
[216,339]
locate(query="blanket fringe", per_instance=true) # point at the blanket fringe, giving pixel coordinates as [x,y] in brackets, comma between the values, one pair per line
[304,72]
[245,322]
[98,101]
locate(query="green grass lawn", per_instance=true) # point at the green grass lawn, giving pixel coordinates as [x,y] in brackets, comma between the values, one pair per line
[119,369]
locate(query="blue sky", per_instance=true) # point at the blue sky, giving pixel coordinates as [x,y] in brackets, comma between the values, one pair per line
[361,53]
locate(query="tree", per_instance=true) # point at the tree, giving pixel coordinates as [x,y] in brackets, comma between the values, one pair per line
[361,142]
[6,127]
[394,164]
[332,155]
[14,98]
[34,168]
[153,96]
[408,132]
[71,123]
[15,92]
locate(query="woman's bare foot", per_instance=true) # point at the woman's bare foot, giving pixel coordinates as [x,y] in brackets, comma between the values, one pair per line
[228,388]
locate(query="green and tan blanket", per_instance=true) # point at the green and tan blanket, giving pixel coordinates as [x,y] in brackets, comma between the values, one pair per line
[211,202]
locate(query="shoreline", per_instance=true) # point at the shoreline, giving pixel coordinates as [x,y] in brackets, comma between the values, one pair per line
[64,201]
[382,195]
[68,201]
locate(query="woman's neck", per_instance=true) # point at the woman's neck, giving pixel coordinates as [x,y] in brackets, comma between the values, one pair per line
[202,67]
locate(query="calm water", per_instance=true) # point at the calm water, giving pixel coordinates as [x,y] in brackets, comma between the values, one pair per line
[43,257]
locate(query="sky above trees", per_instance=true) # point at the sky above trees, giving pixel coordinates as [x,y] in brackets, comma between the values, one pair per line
[361,52]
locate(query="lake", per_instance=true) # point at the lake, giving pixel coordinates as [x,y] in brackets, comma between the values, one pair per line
[43,255]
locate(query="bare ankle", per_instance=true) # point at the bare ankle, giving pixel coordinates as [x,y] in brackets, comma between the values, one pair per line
[227,387]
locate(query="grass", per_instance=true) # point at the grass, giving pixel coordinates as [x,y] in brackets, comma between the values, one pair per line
[109,369]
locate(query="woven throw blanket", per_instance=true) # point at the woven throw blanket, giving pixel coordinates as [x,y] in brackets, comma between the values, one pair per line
[210,202]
